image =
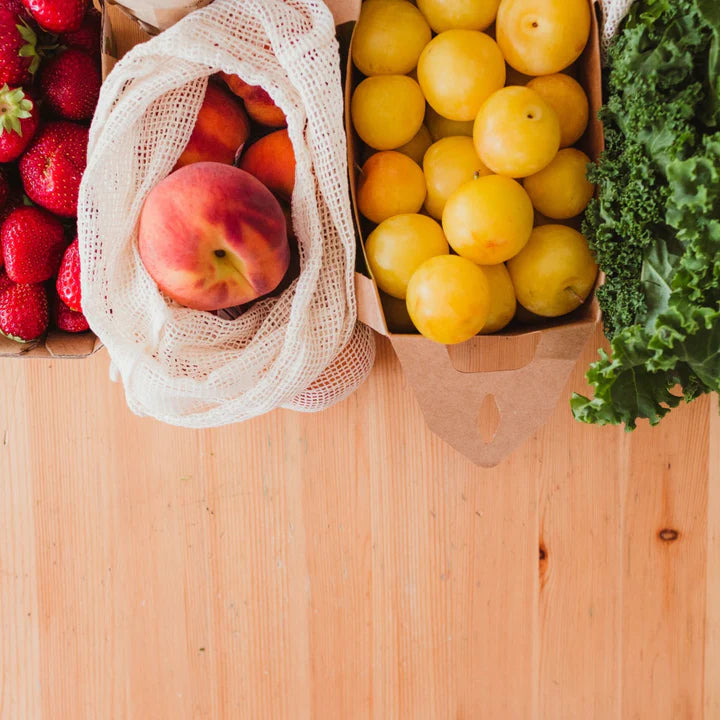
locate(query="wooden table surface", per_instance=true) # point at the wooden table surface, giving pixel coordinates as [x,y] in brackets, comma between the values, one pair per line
[349,565]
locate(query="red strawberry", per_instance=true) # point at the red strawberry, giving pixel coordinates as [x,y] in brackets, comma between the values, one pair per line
[52,167]
[5,282]
[71,84]
[87,37]
[33,243]
[18,58]
[57,16]
[5,192]
[24,312]
[14,201]
[17,8]
[19,120]
[68,279]
[67,319]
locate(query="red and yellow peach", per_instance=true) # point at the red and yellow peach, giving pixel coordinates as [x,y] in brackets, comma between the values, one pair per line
[212,236]
[221,129]
[272,161]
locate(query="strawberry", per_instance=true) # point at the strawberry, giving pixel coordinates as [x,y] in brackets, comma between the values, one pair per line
[17,8]
[70,83]
[23,312]
[87,36]
[5,192]
[67,319]
[19,120]
[57,16]
[33,243]
[5,282]
[14,201]
[18,56]
[68,279]
[52,167]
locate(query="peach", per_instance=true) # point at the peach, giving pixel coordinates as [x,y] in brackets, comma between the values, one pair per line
[272,161]
[259,105]
[221,129]
[212,236]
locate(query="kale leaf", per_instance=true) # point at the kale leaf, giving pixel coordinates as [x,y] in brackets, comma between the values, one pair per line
[655,227]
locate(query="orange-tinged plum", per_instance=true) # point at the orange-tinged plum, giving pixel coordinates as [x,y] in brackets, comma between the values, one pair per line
[221,129]
[258,103]
[212,236]
[272,161]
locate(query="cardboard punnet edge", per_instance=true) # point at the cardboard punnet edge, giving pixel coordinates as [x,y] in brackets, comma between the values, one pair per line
[525,397]
[56,344]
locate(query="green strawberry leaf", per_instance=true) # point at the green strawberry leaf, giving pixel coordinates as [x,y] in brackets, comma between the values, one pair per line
[30,47]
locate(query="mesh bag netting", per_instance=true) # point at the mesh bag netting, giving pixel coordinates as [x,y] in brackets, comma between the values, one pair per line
[614,12]
[302,350]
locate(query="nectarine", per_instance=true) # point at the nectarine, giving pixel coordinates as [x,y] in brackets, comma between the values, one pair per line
[221,129]
[272,161]
[258,103]
[212,236]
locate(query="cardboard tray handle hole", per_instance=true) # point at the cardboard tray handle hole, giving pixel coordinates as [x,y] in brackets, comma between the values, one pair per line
[488,419]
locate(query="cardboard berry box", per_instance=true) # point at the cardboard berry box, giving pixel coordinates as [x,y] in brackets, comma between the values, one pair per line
[487,395]
[57,344]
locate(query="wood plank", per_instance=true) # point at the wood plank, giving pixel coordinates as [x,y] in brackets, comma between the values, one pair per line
[664,583]
[580,546]
[712,602]
[347,563]
[19,617]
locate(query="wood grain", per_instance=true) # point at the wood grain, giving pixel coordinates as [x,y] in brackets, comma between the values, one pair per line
[348,564]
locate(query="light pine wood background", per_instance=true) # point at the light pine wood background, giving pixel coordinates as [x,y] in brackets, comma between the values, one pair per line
[349,564]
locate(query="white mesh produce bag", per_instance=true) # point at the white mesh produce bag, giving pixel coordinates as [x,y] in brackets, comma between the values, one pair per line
[303,350]
[614,12]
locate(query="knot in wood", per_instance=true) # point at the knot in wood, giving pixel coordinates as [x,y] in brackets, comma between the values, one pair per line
[668,535]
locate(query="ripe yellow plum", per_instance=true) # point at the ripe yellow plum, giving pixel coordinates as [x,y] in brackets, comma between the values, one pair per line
[398,246]
[447,164]
[458,70]
[448,299]
[389,37]
[416,148]
[540,37]
[561,190]
[569,101]
[502,298]
[555,272]
[387,110]
[441,127]
[459,14]
[516,132]
[488,220]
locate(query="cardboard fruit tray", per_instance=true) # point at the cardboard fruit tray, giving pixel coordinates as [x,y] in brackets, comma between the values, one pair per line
[453,400]
[56,344]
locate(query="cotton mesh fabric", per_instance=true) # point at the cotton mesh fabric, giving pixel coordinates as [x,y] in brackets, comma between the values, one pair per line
[614,12]
[302,350]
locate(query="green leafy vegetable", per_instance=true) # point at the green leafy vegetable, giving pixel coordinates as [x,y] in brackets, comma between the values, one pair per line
[655,227]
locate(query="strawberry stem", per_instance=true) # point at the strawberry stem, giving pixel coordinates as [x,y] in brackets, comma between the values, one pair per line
[14,107]
[30,47]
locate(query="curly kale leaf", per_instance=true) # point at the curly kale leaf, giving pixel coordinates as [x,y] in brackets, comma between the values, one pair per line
[655,228]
